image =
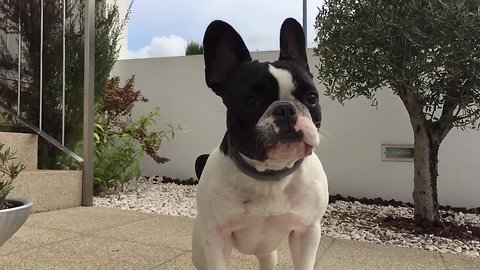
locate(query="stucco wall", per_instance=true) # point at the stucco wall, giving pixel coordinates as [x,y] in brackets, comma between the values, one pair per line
[352,134]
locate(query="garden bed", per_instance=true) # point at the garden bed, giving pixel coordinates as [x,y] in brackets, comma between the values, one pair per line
[377,220]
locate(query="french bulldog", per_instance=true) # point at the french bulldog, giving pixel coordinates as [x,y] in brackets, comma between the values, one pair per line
[264,183]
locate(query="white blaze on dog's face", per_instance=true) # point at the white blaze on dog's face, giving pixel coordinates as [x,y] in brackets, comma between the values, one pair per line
[273,113]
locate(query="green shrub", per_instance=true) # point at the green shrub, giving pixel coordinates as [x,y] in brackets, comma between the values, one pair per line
[8,172]
[121,141]
[120,146]
[116,162]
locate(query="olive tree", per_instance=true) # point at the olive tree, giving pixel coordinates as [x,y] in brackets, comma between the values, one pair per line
[426,51]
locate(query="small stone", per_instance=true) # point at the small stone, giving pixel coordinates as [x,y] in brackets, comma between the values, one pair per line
[473,253]
[389,233]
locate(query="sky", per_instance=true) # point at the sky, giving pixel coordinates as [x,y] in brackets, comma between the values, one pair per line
[162,28]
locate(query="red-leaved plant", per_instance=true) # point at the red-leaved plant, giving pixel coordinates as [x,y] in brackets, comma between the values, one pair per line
[120,140]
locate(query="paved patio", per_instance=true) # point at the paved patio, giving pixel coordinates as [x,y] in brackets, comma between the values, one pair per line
[105,238]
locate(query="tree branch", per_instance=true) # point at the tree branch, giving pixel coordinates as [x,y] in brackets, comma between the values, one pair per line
[477,111]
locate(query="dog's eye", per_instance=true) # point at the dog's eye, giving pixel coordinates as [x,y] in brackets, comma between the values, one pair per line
[251,101]
[311,99]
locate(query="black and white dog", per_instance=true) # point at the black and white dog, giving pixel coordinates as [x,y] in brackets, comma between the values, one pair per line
[263,184]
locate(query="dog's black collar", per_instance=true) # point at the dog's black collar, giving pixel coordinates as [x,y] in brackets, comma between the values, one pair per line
[249,170]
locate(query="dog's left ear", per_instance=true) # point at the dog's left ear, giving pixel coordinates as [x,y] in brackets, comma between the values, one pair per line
[292,44]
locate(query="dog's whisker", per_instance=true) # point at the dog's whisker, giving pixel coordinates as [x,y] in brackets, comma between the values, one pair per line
[219,109]
[324,134]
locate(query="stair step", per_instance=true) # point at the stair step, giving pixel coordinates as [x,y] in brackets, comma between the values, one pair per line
[26,146]
[49,190]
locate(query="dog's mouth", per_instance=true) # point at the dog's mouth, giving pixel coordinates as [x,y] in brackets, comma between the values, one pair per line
[283,155]
[290,145]
[289,150]
[287,147]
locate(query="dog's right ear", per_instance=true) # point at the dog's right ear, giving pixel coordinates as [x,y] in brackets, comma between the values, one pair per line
[223,52]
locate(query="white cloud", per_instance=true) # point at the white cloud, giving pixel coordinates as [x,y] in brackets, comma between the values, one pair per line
[258,22]
[163,46]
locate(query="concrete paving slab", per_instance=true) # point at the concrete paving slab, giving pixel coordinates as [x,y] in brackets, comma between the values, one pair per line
[85,219]
[168,231]
[105,238]
[28,237]
[89,252]
[349,254]
[456,262]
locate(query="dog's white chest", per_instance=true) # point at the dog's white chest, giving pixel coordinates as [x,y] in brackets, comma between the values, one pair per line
[264,223]
[262,235]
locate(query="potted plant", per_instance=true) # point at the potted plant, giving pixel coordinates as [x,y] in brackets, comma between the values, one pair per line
[13,212]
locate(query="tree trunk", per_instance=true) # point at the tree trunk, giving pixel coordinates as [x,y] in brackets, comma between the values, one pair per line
[425,194]
[427,137]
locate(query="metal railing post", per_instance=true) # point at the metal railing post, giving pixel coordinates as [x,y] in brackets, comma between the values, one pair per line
[63,70]
[40,113]
[88,102]
[19,83]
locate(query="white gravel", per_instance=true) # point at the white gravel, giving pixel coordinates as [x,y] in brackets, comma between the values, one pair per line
[345,220]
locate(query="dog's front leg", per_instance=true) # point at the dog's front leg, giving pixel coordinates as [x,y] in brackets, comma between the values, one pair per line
[212,248]
[303,247]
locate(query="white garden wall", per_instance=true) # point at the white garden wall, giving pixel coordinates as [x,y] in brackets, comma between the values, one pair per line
[353,134]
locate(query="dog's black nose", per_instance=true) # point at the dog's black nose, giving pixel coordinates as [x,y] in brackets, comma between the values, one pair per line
[285,118]
[285,110]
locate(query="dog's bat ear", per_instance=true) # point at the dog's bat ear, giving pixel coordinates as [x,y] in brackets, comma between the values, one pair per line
[223,52]
[292,44]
